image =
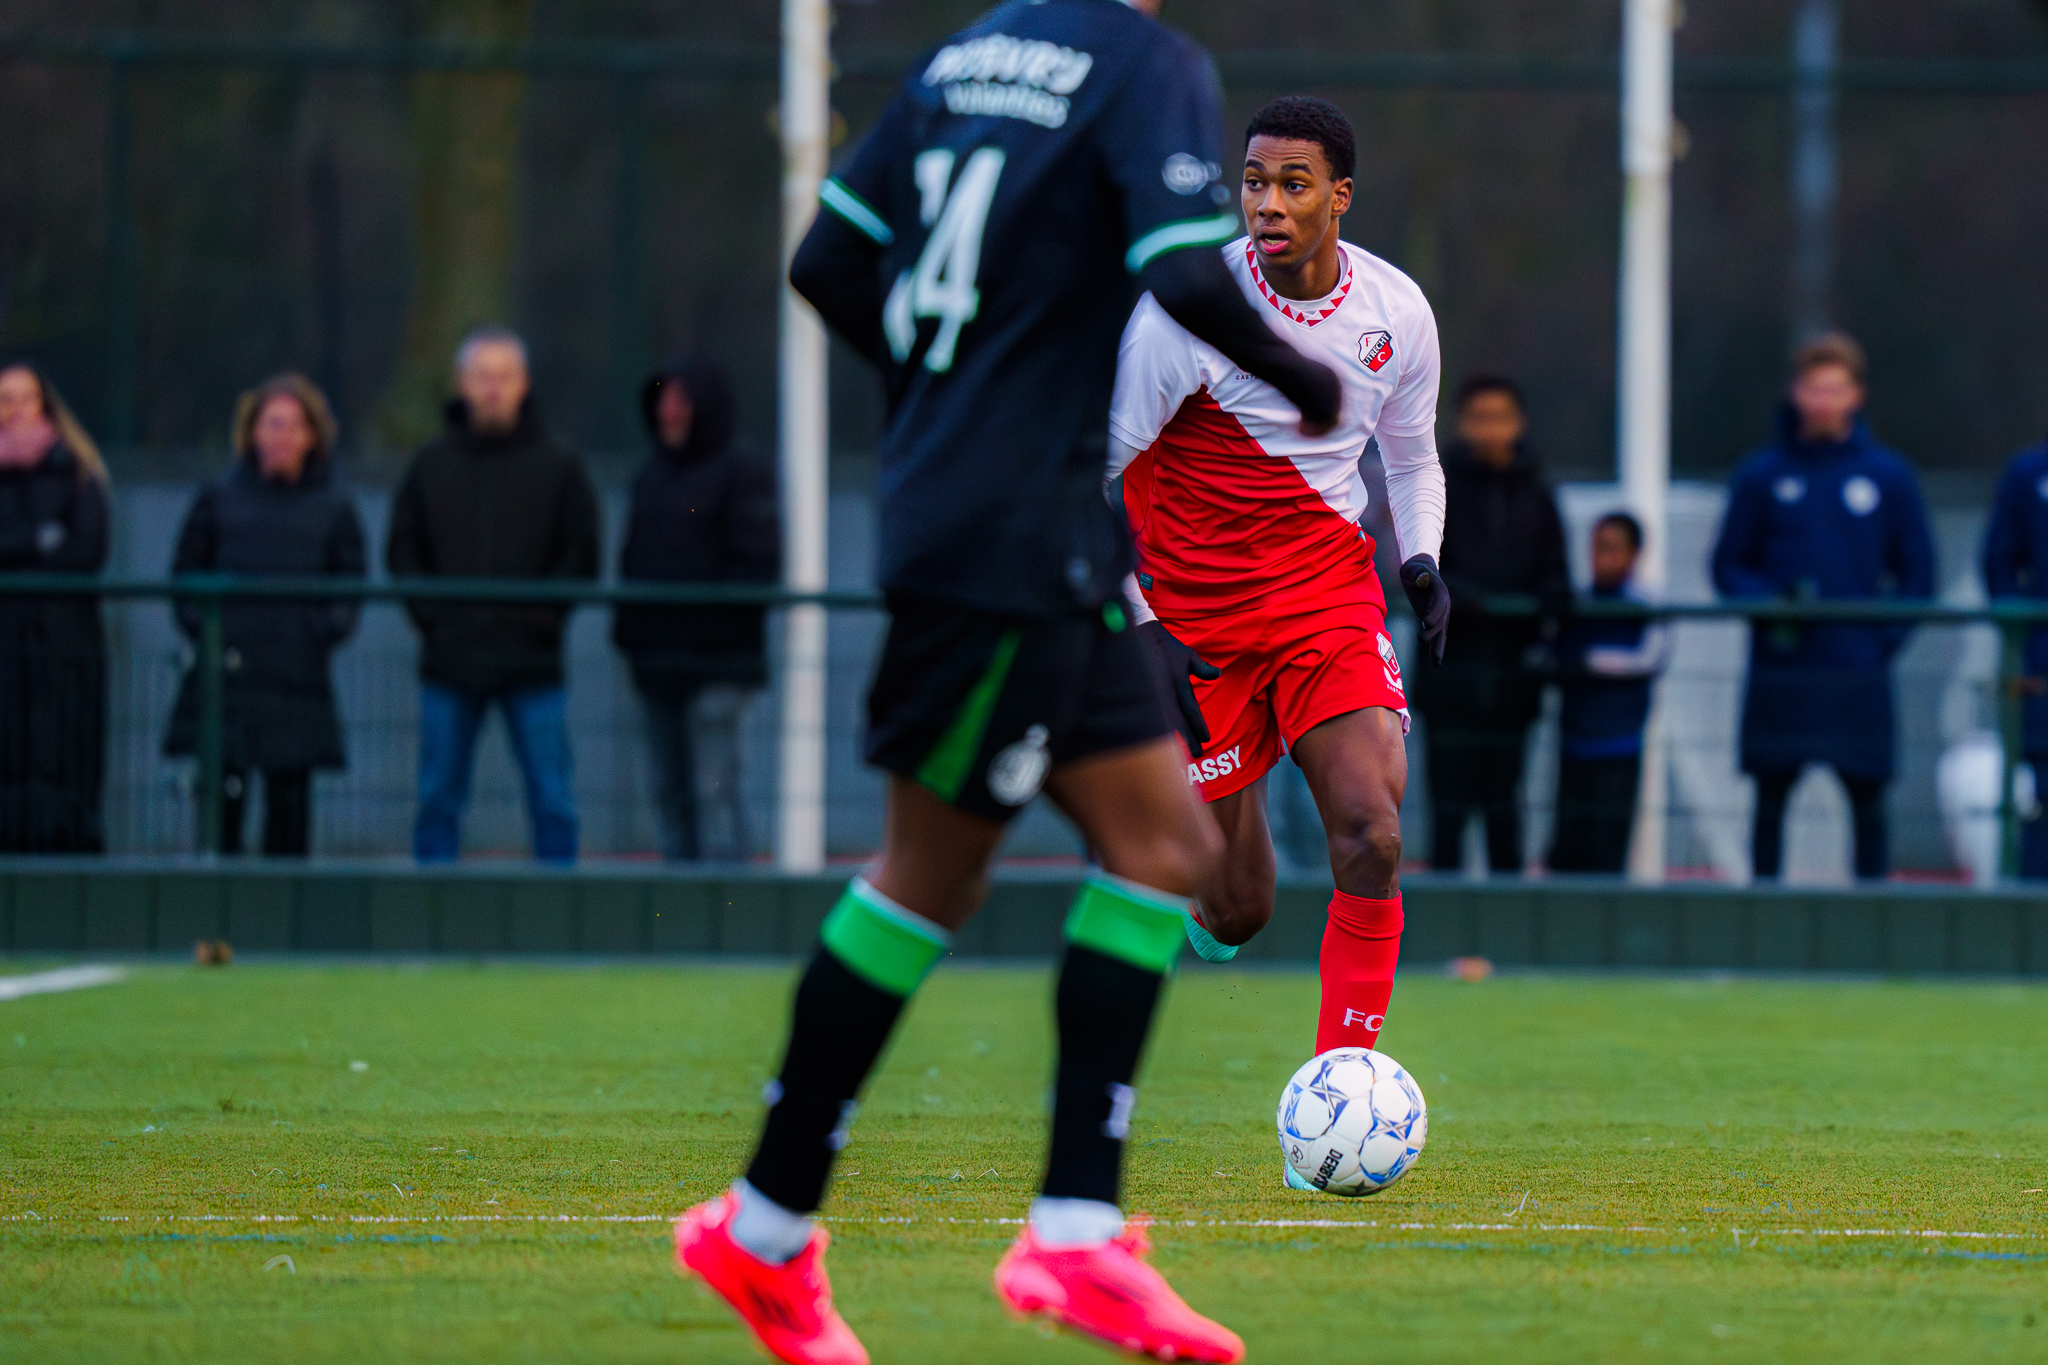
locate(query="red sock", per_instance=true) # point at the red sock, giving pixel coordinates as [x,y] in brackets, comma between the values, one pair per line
[1361,944]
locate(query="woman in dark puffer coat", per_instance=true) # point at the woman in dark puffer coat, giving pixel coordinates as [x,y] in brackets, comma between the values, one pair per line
[279,510]
[53,661]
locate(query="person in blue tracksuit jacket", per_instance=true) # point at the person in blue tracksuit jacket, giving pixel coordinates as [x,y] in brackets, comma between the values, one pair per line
[2016,565]
[1823,512]
[1608,664]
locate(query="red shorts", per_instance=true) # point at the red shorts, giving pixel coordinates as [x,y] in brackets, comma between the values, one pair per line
[1283,675]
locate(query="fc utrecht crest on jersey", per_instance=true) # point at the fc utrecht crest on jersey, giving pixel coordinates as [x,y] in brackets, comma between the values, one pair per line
[1375,349]
[1391,663]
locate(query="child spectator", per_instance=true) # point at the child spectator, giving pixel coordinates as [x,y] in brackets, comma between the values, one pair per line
[1608,664]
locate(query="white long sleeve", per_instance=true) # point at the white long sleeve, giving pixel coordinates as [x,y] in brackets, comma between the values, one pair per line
[1415,493]
[1141,610]
[1121,453]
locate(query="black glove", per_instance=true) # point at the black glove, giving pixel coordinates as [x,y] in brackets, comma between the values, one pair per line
[1424,584]
[1180,664]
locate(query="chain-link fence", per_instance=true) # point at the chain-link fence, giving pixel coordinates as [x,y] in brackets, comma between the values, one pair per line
[190,210]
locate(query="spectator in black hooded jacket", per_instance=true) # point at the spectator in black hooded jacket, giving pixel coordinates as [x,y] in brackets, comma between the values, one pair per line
[1502,537]
[704,511]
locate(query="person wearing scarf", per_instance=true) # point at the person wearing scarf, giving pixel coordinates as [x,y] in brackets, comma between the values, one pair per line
[53,665]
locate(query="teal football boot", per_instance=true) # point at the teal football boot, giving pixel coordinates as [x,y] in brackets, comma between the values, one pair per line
[1204,943]
[1291,1178]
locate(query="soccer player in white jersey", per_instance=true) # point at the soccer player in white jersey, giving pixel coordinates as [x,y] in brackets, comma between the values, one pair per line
[1255,580]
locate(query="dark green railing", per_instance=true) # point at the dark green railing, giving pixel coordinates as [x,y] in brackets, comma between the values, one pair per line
[209,594]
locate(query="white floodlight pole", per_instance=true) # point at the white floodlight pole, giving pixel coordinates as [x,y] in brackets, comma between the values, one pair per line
[806,143]
[1814,30]
[1644,378]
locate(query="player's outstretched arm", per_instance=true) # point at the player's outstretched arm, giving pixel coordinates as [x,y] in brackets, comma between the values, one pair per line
[837,269]
[1415,492]
[1196,290]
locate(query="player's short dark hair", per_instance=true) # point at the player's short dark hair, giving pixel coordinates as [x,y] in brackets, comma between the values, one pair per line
[1626,524]
[1477,384]
[1308,119]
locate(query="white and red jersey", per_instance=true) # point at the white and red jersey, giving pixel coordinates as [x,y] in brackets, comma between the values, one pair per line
[1229,503]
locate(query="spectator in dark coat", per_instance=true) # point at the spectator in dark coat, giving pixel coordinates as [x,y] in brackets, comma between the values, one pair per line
[278,510]
[1823,513]
[53,663]
[1607,665]
[704,511]
[1502,537]
[2016,566]
[494,496]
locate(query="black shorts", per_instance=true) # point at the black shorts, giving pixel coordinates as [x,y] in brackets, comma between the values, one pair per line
[977,708]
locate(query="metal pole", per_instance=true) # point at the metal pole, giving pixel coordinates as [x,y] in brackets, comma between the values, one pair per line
[1813,166]
[212,721]
[629,275]
[806,133]
[2012,641]
[1644,347]
[123,270]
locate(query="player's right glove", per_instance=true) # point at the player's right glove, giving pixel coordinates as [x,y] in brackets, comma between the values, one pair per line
[1424,584]
[1181,665]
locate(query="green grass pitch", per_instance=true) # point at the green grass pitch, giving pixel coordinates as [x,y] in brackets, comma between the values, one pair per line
[1618,1169]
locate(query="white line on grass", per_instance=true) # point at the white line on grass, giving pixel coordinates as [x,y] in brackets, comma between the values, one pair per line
[62,979]
[1362,1224]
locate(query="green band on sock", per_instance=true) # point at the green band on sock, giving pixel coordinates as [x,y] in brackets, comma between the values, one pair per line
[1128,922]
[880,943]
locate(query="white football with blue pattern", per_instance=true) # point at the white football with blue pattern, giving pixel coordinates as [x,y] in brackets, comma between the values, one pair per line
[1352,1122]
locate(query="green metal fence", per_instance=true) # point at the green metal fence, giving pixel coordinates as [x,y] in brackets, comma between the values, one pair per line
[210,595]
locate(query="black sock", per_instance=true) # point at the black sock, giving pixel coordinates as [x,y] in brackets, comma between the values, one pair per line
[837,1031]
[1104,1008]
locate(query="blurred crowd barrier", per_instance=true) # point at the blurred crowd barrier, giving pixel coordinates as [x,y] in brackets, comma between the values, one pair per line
[1950,817]
[1946,799]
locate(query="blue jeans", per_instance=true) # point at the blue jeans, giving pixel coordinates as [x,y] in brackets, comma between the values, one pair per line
[537,719]
[2034,832]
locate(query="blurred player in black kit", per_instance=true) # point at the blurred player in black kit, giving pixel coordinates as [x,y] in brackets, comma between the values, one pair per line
[983,246]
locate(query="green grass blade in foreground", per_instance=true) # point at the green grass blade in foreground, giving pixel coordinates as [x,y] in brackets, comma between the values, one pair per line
[1618,1169]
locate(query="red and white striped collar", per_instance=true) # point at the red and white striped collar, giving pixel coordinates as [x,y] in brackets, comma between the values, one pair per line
[1308,315]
